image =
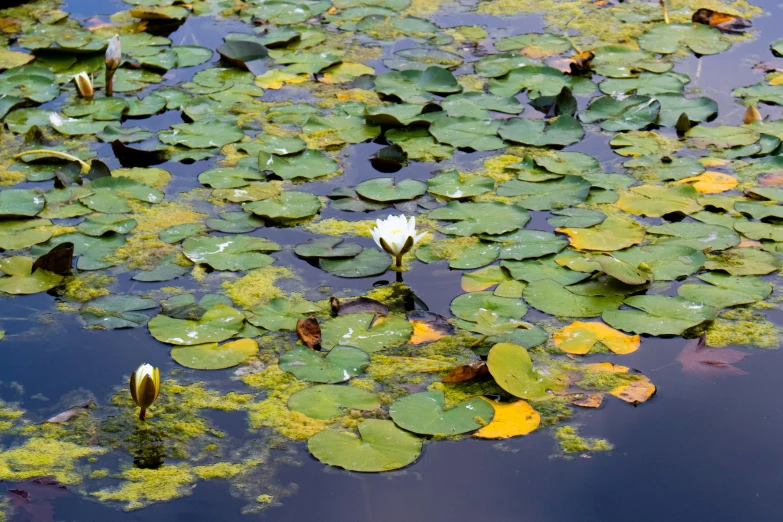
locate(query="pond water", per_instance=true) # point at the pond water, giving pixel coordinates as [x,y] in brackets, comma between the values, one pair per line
[704,447]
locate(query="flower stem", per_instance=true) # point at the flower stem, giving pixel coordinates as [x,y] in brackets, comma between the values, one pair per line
[109,81]
[85,166]
[398,260]
[142,414]
[478,342]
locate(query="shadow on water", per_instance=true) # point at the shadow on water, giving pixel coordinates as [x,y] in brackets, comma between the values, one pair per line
[705,448]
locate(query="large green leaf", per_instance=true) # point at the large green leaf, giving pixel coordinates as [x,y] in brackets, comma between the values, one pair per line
[744,261]
[388,189]
[202,135]
[467,306]
[425,413]
[665,262]
[365,332]
[369,262]
[235,253]
[229,177]
[622,114]
[724,290]
[453,185]
[669,38]
[212,356]
[339,365]
[281,314]
[701,236]
[217,324]
[326,401]
[659,315]
[20,279]
[382,447]
[286,206]
[512,369]
[480,218]
[553,298]
[546,195]
[539,81]
[565,130]
[467,133]
[307,164]
[20,202]
[417,86]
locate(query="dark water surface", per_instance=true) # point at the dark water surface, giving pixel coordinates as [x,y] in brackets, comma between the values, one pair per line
[703,449]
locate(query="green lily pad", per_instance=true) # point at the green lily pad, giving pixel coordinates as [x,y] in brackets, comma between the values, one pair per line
[467,306]
[425,413]
[327,247]
[287,205]
[657,201]
[229,177]
[117,311]
[659,315]
[387,189]
[218,324]
[166,271]
[453,185]
[535,45]
[546,195]
[307,164]
[576,218]
[539,81]
[700,236]
[555,299]
[345,129]
[214,356]
[622,114]
[697,109]
[358,330]
[177,233]
[496,65]
[326,401]
[103,223]
[468,133]
[646,84]
[724,290]
[477,104]
[744,261]
[19,278]
[339,365]
[201,135]
[20,202]
[543,268]
[565,130]
[512,369]
[614,233]
[369,262]
[417,86]
[757,230]
[235,222]
[418,144]
[620,270]
[382,447]
[278,145]
[480,218]
[653,167]
[669,38]
[665,262]
[281,314]
[463,257]
[19,234]
[722,136]
[568,163]
[31,82]
[624,61]
[235,253]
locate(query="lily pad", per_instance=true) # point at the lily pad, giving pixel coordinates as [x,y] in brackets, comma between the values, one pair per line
[365,331]
[480,218]
[665,262]
[453,185]
[669,38]
[307,164]
[387,189]
[229,177]
[700,236]
[339,365]
[565,130]
[235,253]
[202,135]
[281,314]
[19,278]
[467,133]
[555,299]
[326,401]
[425,413]
[467,306]
[546,195]
[369,262]
[287,205]
[659,315]
[724,290]
[614,233]
[212,356]
[327,247]
[382,447]
[512,369]
[217,324]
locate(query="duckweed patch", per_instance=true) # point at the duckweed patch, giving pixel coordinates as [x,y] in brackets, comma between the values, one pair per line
[257,286]
[570,442]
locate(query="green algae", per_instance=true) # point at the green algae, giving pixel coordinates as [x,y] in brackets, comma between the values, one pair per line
[605,381]
[743,327]
[142,487]
[570,442]
[257,286]
[85,286]
[39,457]
[336,227]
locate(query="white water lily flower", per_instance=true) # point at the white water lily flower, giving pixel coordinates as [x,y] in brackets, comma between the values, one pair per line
[396,235]
[83,85]
[114,53]
[145,387]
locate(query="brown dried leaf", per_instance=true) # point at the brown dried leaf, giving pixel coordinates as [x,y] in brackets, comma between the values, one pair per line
[722,21]
[58,260]
[590,400]
[580,64]
[428,327]
[309,331]
[467,372]
[73,411]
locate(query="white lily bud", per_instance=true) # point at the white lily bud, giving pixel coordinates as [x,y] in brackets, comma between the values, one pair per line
[83,85]
[145,387]
[114,53]
[396,235]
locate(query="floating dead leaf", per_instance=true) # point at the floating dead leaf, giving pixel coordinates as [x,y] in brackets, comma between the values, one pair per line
[580,337]
[362,305]
[714,163]
[722,21]
[711,182]
[751,114]
[428,327]
[588,400]
[467,372]
[510,420]
[746,243]
[309,331]
[639,389]
[695,357]
[58,260]
[70,413]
